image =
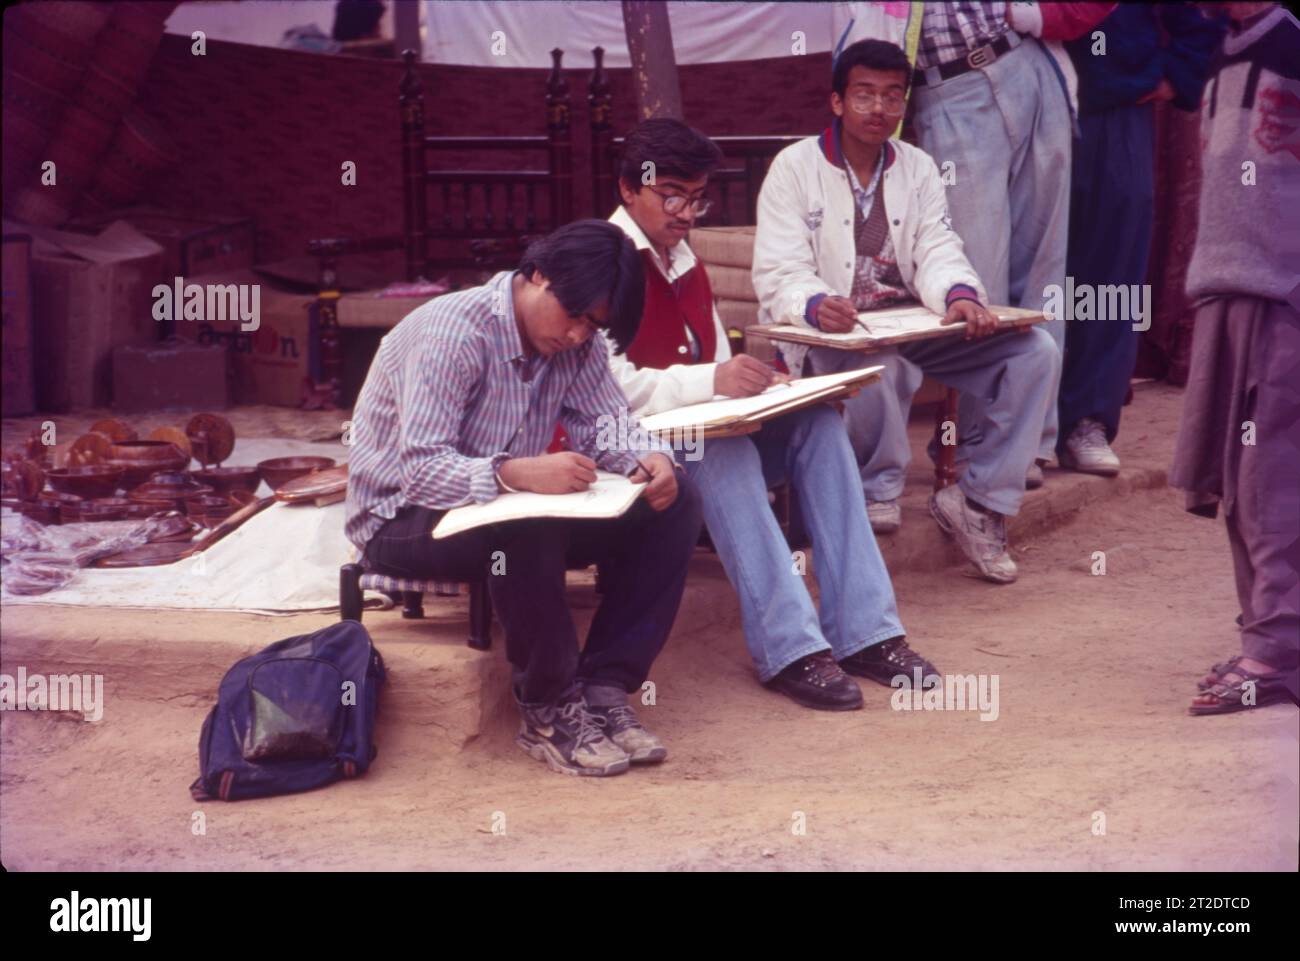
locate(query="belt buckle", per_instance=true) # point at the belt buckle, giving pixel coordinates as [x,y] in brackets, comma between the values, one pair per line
[981,57]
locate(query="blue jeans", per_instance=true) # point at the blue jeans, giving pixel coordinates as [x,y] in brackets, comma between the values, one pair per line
[1111,211]
[1006,130]
[809,449]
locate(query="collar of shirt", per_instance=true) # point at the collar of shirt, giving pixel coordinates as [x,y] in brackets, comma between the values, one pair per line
[682,258]
[864,197]
[507,344]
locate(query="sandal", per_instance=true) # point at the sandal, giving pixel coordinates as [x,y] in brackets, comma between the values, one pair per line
[1269,688]
[1216,672]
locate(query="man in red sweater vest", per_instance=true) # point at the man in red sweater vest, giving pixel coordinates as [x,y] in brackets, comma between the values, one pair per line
[681,356]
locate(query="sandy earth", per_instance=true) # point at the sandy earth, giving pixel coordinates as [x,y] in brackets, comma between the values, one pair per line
[1094,674]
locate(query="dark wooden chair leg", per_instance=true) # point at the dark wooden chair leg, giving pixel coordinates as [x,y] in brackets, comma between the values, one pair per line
[945,464]
[480,616]
[350,592]
[412,605]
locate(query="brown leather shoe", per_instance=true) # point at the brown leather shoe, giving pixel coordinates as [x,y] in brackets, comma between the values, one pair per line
[884,661]
[816,681]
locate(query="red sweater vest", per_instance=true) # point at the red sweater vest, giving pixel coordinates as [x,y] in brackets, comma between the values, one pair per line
[661,340]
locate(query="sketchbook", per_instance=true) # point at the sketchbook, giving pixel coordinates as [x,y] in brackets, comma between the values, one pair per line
[891,325]
[777,399]
[610,496]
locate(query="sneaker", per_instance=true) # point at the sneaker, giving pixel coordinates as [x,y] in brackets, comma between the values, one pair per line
[885,516]
[816,681]
[568,739]
[622,726]
[1034,476]
[981,535]
[884,661]
[1086,450]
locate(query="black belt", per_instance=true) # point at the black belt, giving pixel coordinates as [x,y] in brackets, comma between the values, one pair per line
[977,59]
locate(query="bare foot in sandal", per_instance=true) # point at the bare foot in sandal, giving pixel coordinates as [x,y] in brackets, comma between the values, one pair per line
[1245,683]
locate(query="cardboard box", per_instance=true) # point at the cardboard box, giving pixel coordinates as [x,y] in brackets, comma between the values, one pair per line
[89,295]
[269,364]
[174,373]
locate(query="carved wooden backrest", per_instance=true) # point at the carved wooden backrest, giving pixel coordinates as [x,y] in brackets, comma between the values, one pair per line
[486,214]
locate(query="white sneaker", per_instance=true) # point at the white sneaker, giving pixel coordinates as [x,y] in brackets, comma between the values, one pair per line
[885,516]
[981,536]
[1034,476]
[1086,450]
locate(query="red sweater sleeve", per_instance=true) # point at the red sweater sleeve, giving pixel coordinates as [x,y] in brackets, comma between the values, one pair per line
[1069,21]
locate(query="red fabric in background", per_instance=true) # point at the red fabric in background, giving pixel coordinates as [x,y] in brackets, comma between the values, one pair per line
[1165,350]
[264,132]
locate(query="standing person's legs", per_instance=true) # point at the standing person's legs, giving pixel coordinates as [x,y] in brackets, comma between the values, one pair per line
[959,121]
[876,418]
[1263,516]
[1111,210]
[1038,116]
[1268,494]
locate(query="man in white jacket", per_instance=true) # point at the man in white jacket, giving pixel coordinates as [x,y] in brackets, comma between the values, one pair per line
[852,220]
[680,356]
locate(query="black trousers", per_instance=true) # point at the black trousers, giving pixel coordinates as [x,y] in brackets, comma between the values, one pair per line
[643,557]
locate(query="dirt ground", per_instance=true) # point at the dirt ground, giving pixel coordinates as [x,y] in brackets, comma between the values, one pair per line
[1095,673]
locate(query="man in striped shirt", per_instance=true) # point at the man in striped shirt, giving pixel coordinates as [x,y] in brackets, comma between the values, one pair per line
[459,406]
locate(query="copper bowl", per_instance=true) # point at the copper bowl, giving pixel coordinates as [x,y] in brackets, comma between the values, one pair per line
[170,487]
[209,509]
[226,480]
[96,480]
[67,505]
[139,459]
[278,471]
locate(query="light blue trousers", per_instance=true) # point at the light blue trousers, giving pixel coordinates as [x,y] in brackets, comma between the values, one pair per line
[809,449]
[1011,376]
[1006,130]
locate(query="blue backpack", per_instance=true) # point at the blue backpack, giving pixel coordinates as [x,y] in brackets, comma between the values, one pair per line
[297,715]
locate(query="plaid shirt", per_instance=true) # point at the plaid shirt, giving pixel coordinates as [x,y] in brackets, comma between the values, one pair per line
[451,395]
[949,31]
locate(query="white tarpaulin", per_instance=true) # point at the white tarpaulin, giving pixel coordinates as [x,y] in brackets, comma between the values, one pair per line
[284,559]
[522,34]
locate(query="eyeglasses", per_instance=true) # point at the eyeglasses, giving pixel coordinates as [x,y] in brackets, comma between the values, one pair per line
[676,203]
[891,103]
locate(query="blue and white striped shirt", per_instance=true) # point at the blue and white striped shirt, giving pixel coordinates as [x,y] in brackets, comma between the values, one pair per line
[446,402]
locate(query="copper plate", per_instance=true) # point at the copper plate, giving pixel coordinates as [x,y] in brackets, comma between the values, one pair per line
[331,480]
[115,430]
[213,437]
[174,435]
[147,555]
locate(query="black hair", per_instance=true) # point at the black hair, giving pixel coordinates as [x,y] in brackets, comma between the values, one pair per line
[675,149]
[875,54]
[590,263]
